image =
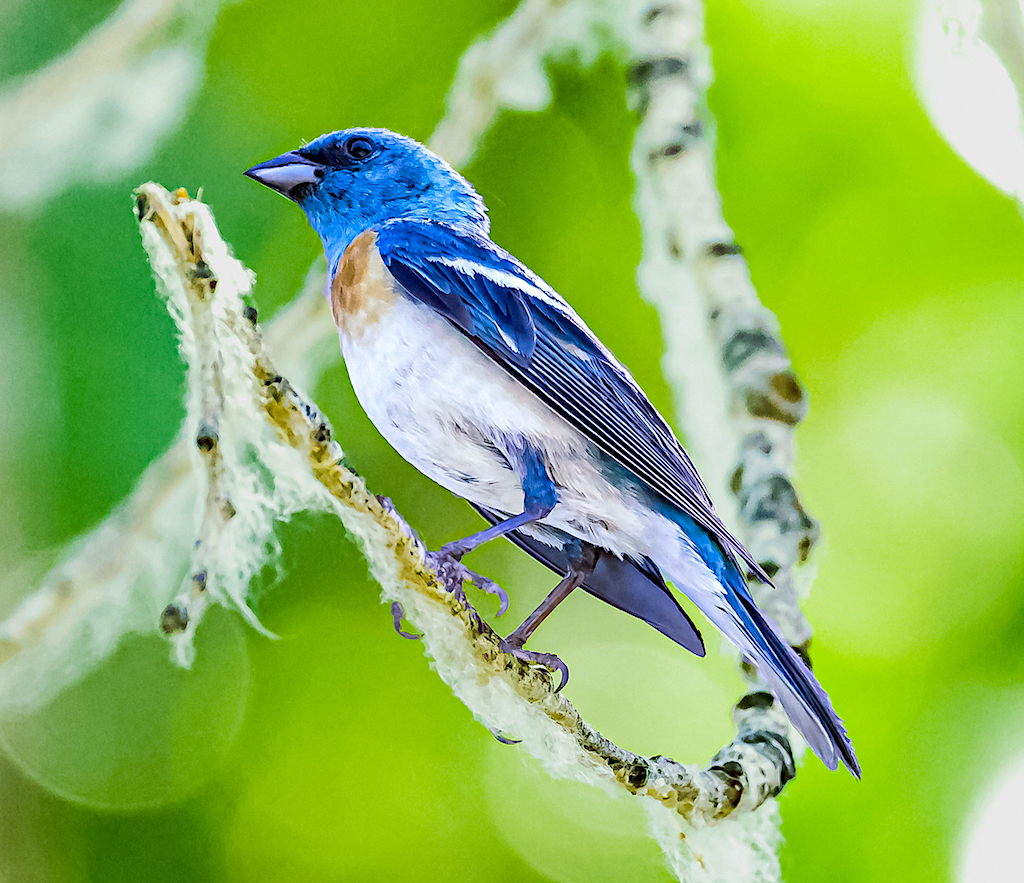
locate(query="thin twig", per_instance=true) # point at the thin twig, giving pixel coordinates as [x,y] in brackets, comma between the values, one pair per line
[505,69]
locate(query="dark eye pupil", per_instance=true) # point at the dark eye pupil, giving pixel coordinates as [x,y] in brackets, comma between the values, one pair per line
[359,148]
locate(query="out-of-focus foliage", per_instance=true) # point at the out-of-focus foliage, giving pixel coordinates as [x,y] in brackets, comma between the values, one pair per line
[334,753]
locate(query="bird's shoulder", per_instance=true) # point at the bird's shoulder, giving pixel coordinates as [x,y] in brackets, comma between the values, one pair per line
[484,289]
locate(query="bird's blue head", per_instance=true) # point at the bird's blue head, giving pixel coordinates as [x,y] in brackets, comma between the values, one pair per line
[349,181]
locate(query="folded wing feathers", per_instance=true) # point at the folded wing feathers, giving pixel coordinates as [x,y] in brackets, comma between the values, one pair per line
[536,336]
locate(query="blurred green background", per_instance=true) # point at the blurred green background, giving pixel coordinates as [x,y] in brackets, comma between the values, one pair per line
[335,753]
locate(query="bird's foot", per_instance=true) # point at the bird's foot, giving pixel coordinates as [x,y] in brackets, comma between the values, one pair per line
[452,573]
[546,659]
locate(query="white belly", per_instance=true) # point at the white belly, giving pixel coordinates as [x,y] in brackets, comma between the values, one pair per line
[443,405]
[450,411]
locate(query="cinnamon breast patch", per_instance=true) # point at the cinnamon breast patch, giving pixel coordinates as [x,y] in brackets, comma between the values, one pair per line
[362,292]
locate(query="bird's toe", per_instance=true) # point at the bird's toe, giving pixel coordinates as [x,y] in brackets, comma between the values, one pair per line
[397,613]
[492,588]
[548,660]
[452,573]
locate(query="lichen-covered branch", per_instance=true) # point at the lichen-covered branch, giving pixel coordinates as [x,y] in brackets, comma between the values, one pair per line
[114,580]
[739,397]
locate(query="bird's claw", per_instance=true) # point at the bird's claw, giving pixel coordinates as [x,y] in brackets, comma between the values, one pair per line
[396,614]
[546,659]
[452,573]
[492,588]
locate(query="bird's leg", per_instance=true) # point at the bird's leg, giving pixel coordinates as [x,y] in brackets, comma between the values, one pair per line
[447,561]
[539,498]
[459,548]
[581,569]
[557,595]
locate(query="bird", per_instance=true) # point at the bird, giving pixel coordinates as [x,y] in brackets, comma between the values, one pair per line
[485,379]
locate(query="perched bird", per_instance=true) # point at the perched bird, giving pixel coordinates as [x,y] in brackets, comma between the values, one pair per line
[488,382]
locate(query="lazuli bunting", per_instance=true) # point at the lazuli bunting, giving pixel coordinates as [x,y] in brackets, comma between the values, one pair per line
[487,381]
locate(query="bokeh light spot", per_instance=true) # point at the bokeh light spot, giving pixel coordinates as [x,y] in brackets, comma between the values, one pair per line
[993,849]
[968,94]
[139,731]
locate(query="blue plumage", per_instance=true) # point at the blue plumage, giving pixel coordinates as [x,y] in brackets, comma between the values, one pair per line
[485,379]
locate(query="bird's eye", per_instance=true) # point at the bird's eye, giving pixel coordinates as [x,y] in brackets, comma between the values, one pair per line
[358,147]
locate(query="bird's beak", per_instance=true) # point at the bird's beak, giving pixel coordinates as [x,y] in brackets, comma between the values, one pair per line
[286,172]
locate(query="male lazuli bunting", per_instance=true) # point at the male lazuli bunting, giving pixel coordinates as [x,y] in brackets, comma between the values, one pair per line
[487,381]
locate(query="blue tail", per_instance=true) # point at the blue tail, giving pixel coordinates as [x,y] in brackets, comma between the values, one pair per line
[792,683]
[728,604]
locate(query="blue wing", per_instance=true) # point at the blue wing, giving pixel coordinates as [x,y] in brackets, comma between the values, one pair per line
[536,336]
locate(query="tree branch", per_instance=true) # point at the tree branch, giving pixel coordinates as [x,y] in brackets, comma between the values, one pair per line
[740,399]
